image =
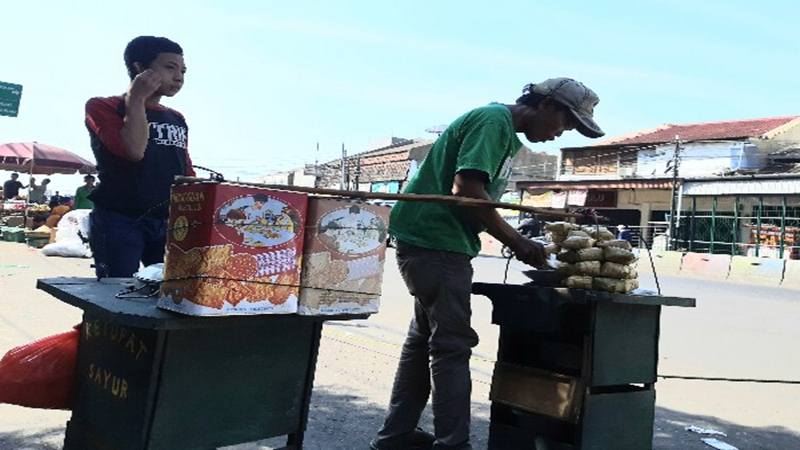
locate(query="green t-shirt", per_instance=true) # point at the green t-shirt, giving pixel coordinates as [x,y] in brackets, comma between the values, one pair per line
[483,139]
[81,198]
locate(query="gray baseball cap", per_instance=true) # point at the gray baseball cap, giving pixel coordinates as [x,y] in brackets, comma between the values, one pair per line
[578,98]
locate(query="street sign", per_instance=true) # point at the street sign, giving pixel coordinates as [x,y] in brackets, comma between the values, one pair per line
[10,95]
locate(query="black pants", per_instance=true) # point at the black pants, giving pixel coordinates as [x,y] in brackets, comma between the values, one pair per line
[120,242]
[437,349]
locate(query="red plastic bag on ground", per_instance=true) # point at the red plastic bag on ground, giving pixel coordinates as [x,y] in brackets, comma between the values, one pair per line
[41,374]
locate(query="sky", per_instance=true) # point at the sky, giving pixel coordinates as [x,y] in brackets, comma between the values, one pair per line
[269,80]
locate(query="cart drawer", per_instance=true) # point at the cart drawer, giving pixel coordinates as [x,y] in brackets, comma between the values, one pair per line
[536,391]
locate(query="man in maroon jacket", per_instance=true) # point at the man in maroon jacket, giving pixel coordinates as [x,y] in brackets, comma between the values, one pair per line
[140,146]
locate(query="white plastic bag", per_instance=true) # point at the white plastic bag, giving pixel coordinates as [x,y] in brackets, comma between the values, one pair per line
[73,225]
[71,236]
[71,249]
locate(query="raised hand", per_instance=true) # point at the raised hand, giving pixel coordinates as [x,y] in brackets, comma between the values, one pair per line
[144,85]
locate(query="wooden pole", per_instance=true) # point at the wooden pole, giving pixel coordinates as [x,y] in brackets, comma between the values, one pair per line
[451,199]
[28,200]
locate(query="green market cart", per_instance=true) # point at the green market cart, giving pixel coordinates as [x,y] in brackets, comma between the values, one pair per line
[576,369]
[149,379]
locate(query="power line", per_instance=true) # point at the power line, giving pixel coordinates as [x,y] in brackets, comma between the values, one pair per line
[729,380]
[677,377]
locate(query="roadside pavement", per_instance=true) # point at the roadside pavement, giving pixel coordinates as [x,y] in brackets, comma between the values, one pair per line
[357,360]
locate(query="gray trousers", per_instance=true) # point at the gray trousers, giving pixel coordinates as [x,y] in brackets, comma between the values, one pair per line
[436,353]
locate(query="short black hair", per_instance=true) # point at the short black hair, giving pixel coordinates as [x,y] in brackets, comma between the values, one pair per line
[261,198]
[534,99]
[88,177]
[531,99]
[145,49]
[15,174]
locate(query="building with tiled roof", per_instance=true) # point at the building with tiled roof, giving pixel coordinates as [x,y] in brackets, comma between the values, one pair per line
[709,131]
[731,176]
[707,149]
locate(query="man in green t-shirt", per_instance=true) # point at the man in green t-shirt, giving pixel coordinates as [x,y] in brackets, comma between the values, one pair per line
[435,243]
[82,194]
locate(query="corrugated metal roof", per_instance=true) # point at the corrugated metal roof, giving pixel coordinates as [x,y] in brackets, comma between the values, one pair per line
[755,186]
[654,183]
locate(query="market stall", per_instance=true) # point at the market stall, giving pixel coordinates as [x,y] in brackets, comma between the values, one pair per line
[12,213]
[227,352]
[151,379]
[225,349]
[34,158]
[576,368]
[578,350]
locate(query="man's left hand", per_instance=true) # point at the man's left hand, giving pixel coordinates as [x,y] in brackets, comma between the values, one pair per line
[531,253]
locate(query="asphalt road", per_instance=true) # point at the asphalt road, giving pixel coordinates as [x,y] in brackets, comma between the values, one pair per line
[736,331]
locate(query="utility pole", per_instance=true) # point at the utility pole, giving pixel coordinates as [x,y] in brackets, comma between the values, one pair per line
[343,181]
[316,160]
[317,175]
[673,203]
[358,174]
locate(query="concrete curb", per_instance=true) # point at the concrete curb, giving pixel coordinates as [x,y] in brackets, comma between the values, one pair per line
[762,271]
[665,262]
[706,266]
[791,275]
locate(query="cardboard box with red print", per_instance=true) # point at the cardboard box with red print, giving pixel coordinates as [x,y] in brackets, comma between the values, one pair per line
[345,248]
[233,250]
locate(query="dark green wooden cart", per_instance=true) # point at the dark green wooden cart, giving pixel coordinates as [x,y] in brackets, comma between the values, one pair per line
[155,380]
[575,369]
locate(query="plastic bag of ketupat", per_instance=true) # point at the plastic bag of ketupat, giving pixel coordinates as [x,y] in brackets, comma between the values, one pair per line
[619,271]
[579,282]
[592,259]
[558,231]
[584,254]
[618,255]
[617,243]
[614,285]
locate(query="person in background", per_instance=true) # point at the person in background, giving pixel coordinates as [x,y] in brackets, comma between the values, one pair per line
[55,200]
[530,227]
[82,194]
[140,146]
[12,186]
[37,191]
[624,233]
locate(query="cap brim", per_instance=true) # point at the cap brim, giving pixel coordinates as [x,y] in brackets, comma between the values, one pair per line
[587,126]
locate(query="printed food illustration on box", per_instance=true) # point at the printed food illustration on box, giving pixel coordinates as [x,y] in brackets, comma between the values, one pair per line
[214,275]
[257,221]
[233,250]
[351,231]
[343,257]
